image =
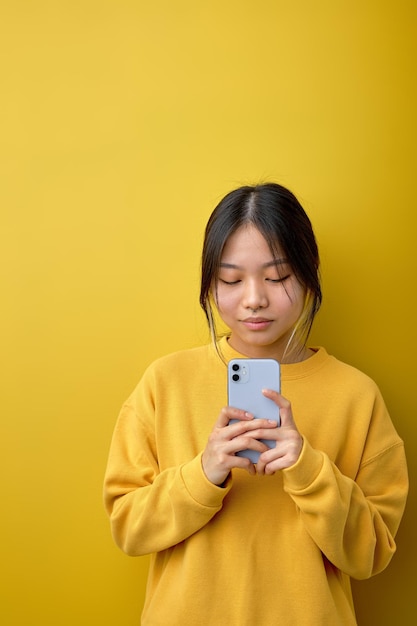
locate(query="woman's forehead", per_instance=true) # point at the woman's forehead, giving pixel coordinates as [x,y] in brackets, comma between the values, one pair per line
[249,240]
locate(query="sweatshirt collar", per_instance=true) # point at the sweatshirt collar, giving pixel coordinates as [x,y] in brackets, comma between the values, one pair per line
[289,371]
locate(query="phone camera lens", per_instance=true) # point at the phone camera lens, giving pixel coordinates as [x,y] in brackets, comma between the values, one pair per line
[235,377]
[235,367]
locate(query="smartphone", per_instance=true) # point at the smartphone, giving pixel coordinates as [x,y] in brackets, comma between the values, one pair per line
[245,380]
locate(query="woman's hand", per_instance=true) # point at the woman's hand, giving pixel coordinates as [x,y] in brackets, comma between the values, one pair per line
[289,442]
[226,439]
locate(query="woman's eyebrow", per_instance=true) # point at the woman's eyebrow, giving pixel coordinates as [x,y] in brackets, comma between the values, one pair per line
[275,262]
[272,263]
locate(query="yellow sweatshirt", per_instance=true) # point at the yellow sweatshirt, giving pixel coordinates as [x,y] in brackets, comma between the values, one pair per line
[260,551]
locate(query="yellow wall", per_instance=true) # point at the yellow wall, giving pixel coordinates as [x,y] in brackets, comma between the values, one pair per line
[122,124]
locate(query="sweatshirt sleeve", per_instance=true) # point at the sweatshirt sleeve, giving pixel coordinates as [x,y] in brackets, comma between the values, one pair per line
[354,520]
[151,510]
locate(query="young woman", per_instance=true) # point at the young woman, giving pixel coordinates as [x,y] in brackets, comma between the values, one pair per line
[277,543]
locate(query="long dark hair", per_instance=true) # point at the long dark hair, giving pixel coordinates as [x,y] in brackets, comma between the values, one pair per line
[280,218]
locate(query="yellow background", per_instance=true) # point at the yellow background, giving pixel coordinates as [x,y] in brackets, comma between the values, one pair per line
[122,124]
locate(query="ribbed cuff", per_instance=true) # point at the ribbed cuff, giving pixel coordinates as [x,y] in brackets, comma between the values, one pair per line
[200,488]
[304,472]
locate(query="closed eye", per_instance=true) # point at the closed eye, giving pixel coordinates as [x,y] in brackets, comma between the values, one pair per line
[278,280]
[229,282]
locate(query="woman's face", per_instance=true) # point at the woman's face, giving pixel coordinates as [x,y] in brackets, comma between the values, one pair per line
[258,297]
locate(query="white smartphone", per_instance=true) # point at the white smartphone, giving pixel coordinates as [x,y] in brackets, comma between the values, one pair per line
[245,380]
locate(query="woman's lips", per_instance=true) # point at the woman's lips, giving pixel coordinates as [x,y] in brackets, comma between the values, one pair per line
[256,323]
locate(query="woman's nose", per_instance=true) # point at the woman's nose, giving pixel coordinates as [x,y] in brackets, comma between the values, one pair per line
[255,296]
